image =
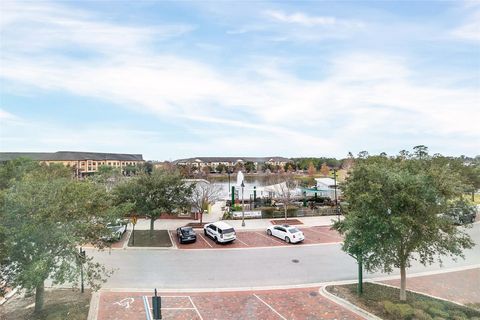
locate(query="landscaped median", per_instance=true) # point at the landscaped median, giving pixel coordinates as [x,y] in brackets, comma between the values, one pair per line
[383,301]
[147,238]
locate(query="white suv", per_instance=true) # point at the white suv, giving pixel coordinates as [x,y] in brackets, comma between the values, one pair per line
[220,231]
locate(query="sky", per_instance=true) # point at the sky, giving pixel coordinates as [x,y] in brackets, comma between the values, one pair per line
[179,79]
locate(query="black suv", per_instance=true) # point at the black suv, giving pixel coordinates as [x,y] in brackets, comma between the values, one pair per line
[186,234]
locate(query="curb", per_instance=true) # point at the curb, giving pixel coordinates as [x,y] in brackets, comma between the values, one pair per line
[347,305]
[94,304]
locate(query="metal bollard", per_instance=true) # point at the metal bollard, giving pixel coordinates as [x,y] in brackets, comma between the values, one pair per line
[157,306]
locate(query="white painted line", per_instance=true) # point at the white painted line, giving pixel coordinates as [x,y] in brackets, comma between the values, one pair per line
[174,243]
[193,304]
[271,308]
[205,241]
[271,238]
[242,242]
[148,311]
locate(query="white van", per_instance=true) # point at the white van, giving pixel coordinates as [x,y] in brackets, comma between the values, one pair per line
[220,231]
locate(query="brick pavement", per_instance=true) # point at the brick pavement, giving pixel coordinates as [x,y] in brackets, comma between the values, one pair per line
[289,304]
[252,239]
[459,286]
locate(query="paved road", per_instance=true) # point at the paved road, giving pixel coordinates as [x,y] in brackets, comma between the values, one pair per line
[187,269]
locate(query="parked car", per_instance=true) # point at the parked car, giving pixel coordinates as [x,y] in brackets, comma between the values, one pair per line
[220,231]
[287,233]
[117,229]
[461,213]
[186,234]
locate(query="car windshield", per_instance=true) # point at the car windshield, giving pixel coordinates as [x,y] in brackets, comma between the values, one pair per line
[227,230]
[293,230]
[187,231]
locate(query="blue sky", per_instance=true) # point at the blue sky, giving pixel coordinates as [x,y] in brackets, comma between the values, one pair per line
[258,78]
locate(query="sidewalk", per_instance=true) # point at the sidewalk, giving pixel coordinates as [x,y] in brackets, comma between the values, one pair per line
[250,224]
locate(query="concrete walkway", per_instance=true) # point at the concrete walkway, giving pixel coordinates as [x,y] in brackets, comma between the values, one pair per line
[250,224]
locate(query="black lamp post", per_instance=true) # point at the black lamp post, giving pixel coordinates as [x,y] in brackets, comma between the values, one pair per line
[335,186]
[243,209]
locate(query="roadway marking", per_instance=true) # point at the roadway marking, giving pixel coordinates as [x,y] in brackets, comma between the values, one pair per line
[193,304]
[271,238]
[205,240]
[271,308]
[147,308]
[242,242]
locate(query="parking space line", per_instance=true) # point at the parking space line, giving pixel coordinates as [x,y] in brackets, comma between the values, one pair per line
[271,238]
[322,233]
[193,304]
[271,308]
[174,243]
[242,242]
[205,241]
[147,308]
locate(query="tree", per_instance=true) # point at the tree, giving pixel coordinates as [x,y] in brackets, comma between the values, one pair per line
[221,168]
[46,215]
[151,195]
[325,170]
[250,166]
[203,194]
[311,169]
[284,188]
[108,177]
[394,213]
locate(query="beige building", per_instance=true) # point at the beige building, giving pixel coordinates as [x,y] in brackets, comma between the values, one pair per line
[82,162]
[213,162]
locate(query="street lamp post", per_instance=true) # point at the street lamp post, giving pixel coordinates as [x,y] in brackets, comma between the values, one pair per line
[335,186]
[243,209]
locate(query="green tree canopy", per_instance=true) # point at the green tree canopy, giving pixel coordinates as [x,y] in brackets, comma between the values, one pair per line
[394,213]
[46,216]
[162,191]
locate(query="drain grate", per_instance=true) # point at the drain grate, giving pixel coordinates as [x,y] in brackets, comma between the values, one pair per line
[313,294]
[295,261]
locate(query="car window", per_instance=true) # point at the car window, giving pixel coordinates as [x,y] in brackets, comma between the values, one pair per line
[229,230]
[293,230]
[281,229]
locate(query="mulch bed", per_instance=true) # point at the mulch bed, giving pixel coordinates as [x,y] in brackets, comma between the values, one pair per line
[196,225]
[289,222]
[60,304]
[384,302]
[144,238]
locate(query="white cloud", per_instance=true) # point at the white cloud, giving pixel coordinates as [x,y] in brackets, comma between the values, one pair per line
[303,19]
[363,98]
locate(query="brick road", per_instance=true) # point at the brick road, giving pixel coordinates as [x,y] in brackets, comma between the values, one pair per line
[459,286]
[252,239]
[299,304]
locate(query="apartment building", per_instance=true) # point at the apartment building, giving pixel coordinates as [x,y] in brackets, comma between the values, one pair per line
[82,162]
[213,162]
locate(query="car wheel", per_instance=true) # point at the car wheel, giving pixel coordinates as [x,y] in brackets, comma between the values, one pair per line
[269,232]
[205,232]
[216,240]
[181,241]
[287,239]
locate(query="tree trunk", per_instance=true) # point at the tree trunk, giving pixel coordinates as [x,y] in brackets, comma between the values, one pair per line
[201,216]
[473,195]
[403,283]
[285,205]
[152,224]
[39,293]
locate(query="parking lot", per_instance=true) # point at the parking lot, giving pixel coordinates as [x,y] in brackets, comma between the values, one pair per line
[254,239]
[304,303]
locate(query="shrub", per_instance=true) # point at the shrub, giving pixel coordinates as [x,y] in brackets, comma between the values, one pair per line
[458,315]
[398,311]
[436,312]
[419,314]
